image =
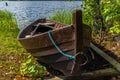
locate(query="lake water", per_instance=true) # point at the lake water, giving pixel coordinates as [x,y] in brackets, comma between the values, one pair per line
[26,12]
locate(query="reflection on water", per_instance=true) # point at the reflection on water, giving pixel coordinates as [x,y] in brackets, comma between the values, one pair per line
[28,11]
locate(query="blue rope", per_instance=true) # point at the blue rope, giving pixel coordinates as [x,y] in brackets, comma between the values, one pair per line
[67,55]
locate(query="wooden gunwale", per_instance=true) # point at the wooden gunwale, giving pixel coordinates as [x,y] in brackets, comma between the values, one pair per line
[37,35]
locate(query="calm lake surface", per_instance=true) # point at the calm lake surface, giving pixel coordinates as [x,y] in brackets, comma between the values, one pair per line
[26,12]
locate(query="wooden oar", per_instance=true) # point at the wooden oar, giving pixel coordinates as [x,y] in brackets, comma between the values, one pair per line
[108,58]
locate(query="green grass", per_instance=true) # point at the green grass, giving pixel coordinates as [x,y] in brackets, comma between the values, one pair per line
[12,54]
[10,49]
[62,16]
[8,33]
[7,22]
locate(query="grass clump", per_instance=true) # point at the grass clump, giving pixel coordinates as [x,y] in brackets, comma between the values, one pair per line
[62,16]
[8,31]
[7,22]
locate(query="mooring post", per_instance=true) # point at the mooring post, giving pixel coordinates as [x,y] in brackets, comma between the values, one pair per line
[79,46]
[77,23]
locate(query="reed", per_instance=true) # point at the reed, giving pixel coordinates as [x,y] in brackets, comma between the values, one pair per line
[8,30]
[7,21]
[62,16]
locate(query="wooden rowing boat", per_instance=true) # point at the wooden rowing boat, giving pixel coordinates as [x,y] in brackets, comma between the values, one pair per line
[39,44]
[34,38]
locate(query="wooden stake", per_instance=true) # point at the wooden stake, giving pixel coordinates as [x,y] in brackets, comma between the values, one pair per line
[77,23]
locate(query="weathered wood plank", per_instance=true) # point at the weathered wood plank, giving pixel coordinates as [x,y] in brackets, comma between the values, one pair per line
[101,73]
[77,24]
[108,58]
[42,40]
[45,51]
[89,75]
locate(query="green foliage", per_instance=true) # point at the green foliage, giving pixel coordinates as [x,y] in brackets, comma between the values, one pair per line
[62,16]
[31,68]
[7,22]
[110,10]
[87,18]
[9,32]
[105,12]
[116,28]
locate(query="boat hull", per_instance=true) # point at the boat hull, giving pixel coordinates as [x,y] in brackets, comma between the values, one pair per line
[41,47]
